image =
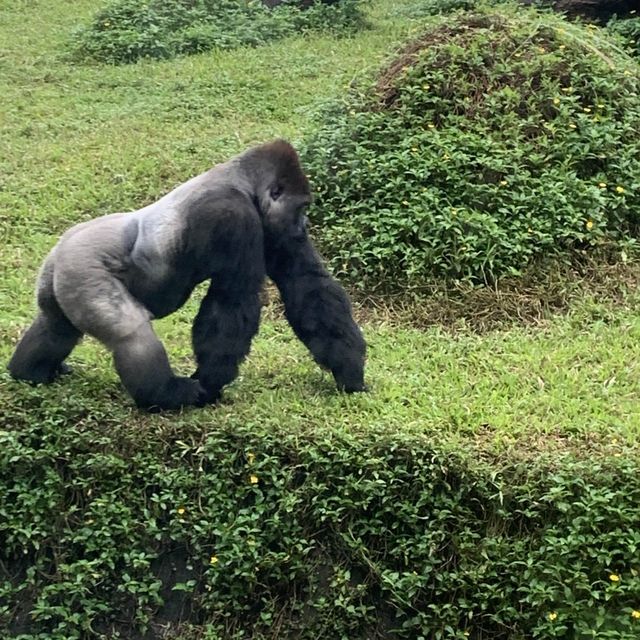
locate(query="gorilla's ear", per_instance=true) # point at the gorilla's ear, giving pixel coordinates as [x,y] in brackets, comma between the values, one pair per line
[276,191]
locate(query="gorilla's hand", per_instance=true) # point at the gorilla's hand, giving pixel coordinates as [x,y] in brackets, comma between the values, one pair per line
[176,393]
[211,396]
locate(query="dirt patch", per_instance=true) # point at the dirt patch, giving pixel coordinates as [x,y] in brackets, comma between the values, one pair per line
[386,86]
[595,9]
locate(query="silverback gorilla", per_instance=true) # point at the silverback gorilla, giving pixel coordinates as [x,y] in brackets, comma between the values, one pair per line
[239,221]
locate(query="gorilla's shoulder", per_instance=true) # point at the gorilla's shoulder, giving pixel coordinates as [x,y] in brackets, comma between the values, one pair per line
[220,198]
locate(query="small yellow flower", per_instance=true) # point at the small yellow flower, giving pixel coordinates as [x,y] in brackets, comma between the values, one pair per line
[414,149]
[431,125]
[562,46]
[600,106]
[253,479]
[620,189]
[589,225]
[213,560]
[517,55]
[572,126]
[426,87]
[602,185]
[556,101]
[503,183]
[180,511]
[586,110]
[405,203]
[542,50]
[552,616]
[635,614]
[251,457]
[614,577]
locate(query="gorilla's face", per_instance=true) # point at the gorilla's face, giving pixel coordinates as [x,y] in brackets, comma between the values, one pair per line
[285,219]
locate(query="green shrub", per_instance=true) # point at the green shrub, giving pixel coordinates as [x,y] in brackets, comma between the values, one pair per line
[127,30]
[331,534]
[629,30]
[491,142]
[434,7]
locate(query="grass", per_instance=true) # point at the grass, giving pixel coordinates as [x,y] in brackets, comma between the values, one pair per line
[571,383]
[80,141]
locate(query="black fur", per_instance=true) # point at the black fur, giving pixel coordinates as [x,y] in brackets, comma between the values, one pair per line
[111,276]
[318,309]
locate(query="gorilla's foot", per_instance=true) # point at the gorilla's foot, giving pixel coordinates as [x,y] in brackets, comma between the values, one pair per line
[40,373]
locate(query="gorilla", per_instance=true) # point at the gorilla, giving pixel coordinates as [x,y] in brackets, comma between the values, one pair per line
[233,225]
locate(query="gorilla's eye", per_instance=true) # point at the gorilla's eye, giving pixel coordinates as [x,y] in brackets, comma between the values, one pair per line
[276,191]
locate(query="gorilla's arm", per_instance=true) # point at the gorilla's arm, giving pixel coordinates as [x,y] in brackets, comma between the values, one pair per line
[229,315]
[319,311]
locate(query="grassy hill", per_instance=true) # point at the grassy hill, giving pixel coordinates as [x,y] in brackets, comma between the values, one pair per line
[487,487]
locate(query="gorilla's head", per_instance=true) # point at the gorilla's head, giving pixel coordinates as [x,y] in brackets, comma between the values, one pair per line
[281,189]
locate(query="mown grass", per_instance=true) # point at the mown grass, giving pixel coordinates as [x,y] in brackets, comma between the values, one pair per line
[80,141]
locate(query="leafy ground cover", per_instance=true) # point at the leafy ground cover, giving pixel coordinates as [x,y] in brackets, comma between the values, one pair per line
[487,487]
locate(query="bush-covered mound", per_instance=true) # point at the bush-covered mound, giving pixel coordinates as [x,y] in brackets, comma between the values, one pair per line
[127,30]
[620,17]
[259,532]
[492,141]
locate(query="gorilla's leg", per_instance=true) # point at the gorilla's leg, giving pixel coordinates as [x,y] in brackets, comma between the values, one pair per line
[143,366]
[222,334]
[39,356]
[101,306]
[319,311]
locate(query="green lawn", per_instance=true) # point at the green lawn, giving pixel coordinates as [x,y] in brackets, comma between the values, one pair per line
[81,141]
